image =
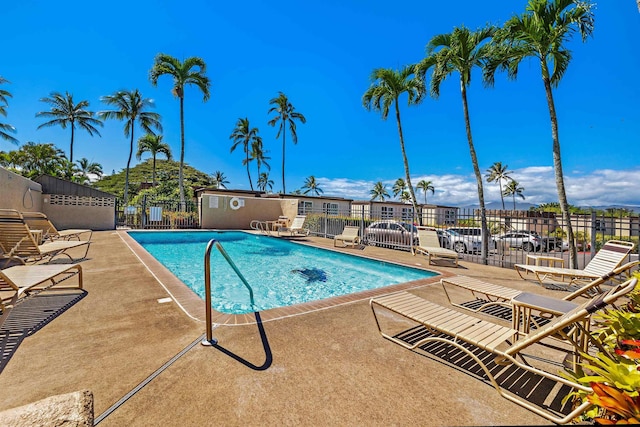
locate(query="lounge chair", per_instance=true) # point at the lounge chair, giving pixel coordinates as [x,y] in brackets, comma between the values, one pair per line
[465,331]
[489,294]
[296,228]
[20,282]
[39,221]
[429,245]
[18,241]
[604,262]
[349,235]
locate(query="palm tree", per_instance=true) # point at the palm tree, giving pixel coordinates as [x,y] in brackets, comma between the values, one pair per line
[64,112]
[386,88]
[497,173]
[259,155]
[264,183]
[131,106]
[219,180]
[153,144]
[244,134]
[85,167]
[311,185]
[183,73]
[399,187]
[405,197]
[379,191]
[514,189]
[4,127]
[460,51]
[541,33]
[286,114]
[426,186]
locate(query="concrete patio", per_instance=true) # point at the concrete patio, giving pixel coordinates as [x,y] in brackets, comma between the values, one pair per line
[328,367]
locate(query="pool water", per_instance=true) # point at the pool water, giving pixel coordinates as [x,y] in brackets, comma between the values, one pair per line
[281,273]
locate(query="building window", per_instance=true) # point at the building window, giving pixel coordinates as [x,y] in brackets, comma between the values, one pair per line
[330,208]
[304,207]
[407,214]
[601,225]
[386,212]
[449,217]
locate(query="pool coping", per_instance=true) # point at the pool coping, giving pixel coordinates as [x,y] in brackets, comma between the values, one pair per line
[194,306]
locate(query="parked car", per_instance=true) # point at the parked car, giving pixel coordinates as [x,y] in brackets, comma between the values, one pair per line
[525,240]
[467,239]
[391,233]
[443,238]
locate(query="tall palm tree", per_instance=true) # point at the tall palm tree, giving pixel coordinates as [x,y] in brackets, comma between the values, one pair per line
[405,197]
[460,51]
[513,188]
[131,106]
[5,128]
[64,112]
[498,173]
[426,186]
[385,90]
[541,33]
[264,183]
[379,191]
[399,187]
[154,145]
[285,115]
[244,134]
[189,72]
[220,180]
[85,167]
[311,185]
[259,155]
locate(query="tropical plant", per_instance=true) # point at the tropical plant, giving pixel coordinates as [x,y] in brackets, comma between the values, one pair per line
[379,191]
[498,173]
[385,90]
[311,185]
[32,160]
[399,187]
[154,145]
[405,197]
[131,106]
[259,155]
[460,51]
[541,33]
[243,134]
[514,189]
[64,112]
[264,183]
[5,128]
[219,180]
[190,72]
[285,115]
[85,168]
[426,186]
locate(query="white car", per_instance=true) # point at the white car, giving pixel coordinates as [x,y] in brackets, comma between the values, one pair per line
[467,239]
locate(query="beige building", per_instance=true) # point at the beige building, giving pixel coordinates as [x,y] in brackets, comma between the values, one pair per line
[431,214]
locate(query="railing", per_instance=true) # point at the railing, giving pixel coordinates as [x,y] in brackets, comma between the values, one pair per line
[209,340]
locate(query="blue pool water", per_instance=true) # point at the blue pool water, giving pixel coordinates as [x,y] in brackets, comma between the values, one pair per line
[281,273]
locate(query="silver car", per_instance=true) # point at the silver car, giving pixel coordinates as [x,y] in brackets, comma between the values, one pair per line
[391,233]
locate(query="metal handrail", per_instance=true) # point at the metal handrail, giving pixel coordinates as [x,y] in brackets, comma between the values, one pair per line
[207,286]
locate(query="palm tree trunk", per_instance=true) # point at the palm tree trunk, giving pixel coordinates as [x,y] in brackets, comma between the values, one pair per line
[476,170]
[126,175]
[406,162]
[284,190]
[73,126]
[557,165]
[501,196]
[153,172]
[180,174]
[248,173]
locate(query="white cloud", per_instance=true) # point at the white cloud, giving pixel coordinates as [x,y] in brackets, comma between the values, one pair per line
[598,188]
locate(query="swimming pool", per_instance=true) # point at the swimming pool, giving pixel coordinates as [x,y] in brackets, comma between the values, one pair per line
[281,273]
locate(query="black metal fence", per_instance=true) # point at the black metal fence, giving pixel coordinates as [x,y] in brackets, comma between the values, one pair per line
[158,214]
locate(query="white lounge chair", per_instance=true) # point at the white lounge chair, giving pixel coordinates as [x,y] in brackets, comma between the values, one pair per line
[39,221]
[296,228]
[429,245]
[349,235]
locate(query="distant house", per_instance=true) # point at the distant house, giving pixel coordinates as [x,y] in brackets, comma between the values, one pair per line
[434,215]
[317,204]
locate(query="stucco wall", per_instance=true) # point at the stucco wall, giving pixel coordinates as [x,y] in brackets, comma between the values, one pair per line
[19,193]
[217,212]
[95,213]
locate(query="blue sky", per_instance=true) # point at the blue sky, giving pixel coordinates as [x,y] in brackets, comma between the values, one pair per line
[320,54]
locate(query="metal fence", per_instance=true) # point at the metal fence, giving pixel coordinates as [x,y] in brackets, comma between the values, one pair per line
[516,237]
[158,214]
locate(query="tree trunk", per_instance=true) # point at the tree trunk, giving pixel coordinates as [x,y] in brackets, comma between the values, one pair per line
[557,165]
[284,190]
[501,196]
[414,202]
[73,128]
[180,174]
[476,170]
[126,175]
[153,172]
[248,173]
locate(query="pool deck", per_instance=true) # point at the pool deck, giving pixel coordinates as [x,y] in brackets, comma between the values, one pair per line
[327,366]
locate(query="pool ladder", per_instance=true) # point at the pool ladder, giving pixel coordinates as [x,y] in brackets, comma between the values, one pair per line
[260,226]
[209,340]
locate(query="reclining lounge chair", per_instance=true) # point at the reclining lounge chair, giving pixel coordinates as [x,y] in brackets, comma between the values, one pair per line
[608,258]
[39,221]
[467,334]
[429,245]
[349,235]
[296,229]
